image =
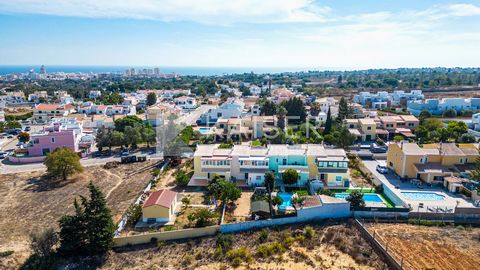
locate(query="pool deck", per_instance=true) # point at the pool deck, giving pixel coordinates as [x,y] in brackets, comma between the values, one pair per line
[397,186]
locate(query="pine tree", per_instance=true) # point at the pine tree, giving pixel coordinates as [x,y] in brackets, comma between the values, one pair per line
[328,123]
[91,229]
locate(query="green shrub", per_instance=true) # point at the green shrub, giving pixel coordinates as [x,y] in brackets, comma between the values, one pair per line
[236,262]
[187,260]
[182,179]
[428,223]
[225,241]
[237,256]
[308,232]
[168,228]
[267,250]
[6,253]
[263,235]
[288,242]
[218,253]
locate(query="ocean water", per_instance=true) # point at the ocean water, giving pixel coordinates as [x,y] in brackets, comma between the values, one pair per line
[200,71]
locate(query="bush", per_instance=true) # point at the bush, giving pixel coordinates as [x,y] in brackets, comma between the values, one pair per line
[182,179]
[218,253]
[263,235]
[225,241]
[267,250]
[236,262]
[6,253]
[237,256]
[156,172]
[42,243]
[427,223]
[187,260]
[326,192]
[308,232]
[134,213]
[288,242]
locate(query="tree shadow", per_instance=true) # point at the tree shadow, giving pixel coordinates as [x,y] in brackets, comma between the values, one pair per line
[44,183]
[55,261]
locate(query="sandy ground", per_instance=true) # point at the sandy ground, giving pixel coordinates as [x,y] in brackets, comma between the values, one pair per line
[31,202]
[432,247]
[242,208]
[332,247]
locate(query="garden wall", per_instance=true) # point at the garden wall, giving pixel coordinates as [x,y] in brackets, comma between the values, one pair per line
[165,236]
[325,211]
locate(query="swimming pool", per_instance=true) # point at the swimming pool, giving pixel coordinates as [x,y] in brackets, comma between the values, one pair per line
[423,196]
[367,197]
[286,198]
[204,130]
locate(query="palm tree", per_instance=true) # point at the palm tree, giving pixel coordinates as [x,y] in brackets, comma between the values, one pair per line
[270,185]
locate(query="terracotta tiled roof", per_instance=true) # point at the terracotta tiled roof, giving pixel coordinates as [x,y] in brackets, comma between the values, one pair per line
[47,107]
[163,197]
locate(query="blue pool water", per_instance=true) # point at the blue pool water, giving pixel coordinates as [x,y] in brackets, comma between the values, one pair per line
[368,197]
[423,196]
[204,130]
[286,198]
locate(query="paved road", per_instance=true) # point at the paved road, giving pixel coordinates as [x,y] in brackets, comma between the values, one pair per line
[9,168]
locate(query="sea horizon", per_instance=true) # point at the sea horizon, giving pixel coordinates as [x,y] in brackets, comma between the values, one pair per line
[181,70]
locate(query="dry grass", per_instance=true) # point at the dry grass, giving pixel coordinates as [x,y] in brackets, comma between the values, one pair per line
[31,202]
[335,246]
[432,247]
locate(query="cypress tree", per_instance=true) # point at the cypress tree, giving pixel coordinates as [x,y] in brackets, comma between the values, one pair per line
[328,123]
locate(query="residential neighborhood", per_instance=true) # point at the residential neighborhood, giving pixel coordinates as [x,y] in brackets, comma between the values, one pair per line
[233,161]
[222,135]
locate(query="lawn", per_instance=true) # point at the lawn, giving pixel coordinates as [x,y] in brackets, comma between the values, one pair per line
[367,190]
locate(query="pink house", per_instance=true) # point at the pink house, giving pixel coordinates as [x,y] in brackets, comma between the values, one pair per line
[51,139]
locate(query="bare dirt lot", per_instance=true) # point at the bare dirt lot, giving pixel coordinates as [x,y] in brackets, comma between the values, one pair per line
[431,247]
[30,202]
[333,246]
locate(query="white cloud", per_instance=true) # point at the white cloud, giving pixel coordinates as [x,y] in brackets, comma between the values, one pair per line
[463,10]
[202,11]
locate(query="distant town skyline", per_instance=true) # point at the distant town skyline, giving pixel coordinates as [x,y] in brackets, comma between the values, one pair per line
[301,34]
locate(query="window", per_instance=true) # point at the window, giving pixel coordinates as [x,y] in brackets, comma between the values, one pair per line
[411,124]
[53,140]
[352,126]
[369,128]
[35,141]
[338,178]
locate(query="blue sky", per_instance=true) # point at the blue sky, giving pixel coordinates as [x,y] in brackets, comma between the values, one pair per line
[242,33]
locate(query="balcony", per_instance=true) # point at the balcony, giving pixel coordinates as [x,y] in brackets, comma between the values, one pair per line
[300,168]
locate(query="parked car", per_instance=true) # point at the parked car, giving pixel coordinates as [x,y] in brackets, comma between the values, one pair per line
[3,155]
[10,137]
[124,153]
[20,143]
[382,168]
[27,128]
[376,148]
